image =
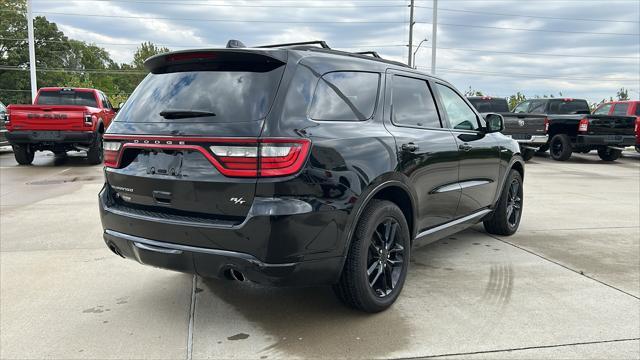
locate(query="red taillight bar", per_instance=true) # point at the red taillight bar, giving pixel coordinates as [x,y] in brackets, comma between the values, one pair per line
[583,126]
[232,166]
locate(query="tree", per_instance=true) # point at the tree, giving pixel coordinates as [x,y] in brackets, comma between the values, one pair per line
[145,51]
[622,94]
[515,99]
[472,92]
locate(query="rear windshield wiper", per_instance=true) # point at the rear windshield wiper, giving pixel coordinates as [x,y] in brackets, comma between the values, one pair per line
[183,114]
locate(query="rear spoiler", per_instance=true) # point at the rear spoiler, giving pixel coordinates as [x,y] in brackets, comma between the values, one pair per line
[216,59]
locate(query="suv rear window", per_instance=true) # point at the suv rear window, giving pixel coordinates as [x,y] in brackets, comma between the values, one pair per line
[568,106]
[345,96]
[67,97]
[233,96]
[489,105]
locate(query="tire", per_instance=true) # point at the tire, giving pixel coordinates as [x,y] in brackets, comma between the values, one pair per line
[95,154]
[527,154]
[560,147]
[542,149]
[506,217]
[638,148]
[375,270]
[609,154]
[23,154]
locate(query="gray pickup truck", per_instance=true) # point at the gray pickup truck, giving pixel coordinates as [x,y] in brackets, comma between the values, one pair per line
[528,129]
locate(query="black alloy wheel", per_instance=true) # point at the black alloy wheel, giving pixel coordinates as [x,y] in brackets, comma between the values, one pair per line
[514,203]
[385,258]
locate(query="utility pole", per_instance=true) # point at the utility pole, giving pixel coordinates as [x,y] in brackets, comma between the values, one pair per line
[32,51]
[434,33]
[411,22]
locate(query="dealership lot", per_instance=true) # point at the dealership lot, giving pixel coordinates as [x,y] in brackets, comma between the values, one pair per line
[566,285]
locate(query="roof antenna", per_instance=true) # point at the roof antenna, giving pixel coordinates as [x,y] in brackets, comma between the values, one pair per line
[233,44]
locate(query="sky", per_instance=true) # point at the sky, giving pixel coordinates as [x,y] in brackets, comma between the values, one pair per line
[580,48]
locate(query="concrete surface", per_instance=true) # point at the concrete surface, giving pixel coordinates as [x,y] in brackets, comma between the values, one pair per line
[567,285]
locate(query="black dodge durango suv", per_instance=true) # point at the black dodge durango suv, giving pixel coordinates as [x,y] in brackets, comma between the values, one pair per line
[297,164]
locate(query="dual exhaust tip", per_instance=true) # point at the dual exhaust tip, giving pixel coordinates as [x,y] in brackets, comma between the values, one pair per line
[233,274]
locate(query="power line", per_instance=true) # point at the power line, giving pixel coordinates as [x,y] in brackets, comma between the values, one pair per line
[348,22]
[535,76]
[530,16]
[534,30]
[245,5]
[362,46]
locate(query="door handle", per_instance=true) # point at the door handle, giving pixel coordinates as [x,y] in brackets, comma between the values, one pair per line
[465,147]
[410,147]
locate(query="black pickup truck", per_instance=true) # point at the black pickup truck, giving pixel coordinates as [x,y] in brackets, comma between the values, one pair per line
[529,130]
[571,128]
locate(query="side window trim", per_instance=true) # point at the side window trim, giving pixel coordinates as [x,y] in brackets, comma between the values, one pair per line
[390,76]
[464,99]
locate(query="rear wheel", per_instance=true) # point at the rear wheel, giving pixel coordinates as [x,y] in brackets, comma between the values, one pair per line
[560,147]
[95,154]
[23,154]
[506,217]
[378,259]
[609,154]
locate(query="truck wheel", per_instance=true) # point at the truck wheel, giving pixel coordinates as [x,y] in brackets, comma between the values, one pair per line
[23,154]
[506,217]
[378,259]
[609,154]
[560,147]
[527,154]
[95,154]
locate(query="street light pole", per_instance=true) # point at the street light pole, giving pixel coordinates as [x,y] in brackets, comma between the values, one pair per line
[434,33]
[410,33]
[32,51]
[415,52]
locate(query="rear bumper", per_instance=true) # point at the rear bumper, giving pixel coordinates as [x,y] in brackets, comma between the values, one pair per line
[50,137]
[214,263]
[533,140]
[610,140]
[300,247]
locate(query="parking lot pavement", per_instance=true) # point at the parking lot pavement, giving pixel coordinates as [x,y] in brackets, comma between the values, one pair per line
[567,285]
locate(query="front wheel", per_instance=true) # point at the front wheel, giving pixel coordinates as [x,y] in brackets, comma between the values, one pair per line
[23,154]
[560,147]
[609,154]
[506,217]
[376,266]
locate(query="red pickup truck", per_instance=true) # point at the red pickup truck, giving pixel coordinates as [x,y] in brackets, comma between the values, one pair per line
[61,120]
[628,108]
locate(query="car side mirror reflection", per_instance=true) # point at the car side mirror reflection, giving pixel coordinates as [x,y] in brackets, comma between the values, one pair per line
[495,122]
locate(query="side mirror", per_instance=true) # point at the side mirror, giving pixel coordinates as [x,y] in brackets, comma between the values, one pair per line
[495,122]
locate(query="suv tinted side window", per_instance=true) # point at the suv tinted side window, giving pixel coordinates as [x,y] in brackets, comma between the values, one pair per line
[345,96]
[620,109]
[460,115]
[522,107]
[412,103]
[603,110]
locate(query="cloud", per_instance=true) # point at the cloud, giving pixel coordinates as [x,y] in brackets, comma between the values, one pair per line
[382,26]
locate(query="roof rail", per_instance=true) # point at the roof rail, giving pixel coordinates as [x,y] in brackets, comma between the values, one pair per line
[322,44]
[372,53]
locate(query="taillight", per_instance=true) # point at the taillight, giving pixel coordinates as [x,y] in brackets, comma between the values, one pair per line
[111,151]
[546,125]
[583,126]
[267,158]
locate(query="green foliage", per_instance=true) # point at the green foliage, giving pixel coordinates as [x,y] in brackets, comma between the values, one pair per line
[622,94]
[516,99]
[473,92]
[60,61]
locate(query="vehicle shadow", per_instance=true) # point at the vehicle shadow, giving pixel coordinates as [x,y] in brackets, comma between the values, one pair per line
[302,322]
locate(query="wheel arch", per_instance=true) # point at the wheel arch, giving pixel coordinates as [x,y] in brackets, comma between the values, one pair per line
[392,189]
[516,163]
